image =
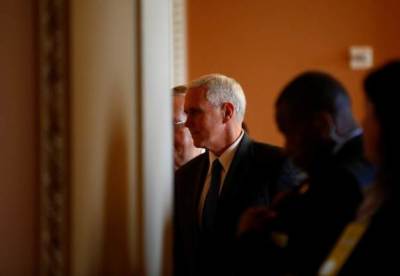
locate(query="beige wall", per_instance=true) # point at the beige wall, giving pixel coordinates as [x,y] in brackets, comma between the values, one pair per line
[120,207]
[103,138]
[263,44]
[121,137]
[18,140]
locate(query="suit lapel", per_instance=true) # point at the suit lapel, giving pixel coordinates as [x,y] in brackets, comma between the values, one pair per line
[199,183]
[238,168]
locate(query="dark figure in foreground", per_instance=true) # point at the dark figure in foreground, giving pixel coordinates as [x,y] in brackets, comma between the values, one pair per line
[296,233]
[376,246]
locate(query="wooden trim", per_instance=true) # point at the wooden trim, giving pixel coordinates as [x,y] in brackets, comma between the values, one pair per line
[54,137]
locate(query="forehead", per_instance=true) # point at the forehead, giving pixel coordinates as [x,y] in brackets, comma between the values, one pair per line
[179,101]
[195,97]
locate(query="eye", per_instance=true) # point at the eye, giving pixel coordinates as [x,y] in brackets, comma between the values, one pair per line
[193,112]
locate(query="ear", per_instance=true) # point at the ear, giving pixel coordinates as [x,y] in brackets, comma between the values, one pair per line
[228,110]
[324,125]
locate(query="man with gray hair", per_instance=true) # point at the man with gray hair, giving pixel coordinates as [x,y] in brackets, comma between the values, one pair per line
[213,189]
[184,150]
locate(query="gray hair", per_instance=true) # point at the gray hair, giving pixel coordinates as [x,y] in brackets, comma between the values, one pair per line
[221,89]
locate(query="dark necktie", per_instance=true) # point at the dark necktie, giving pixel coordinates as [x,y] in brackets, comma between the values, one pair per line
[211,202]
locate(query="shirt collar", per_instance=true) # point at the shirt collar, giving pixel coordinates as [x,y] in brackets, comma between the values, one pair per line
[227,156]
[354,133]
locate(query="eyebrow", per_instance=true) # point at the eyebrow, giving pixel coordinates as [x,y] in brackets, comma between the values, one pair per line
[191,109]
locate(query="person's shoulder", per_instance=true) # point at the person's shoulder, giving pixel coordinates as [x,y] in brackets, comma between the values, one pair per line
[267,150]
[266,147]
[266,158]
[346,180]
[360,170]
[354,169]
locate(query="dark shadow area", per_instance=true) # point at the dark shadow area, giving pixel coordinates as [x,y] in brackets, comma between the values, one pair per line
[115,260]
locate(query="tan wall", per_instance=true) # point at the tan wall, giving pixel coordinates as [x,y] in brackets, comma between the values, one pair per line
[263,44]
[121,137]
[103,138]
[18,140]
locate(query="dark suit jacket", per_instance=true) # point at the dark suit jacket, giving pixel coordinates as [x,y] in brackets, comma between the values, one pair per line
[311,221]
[251,180]
[319,217]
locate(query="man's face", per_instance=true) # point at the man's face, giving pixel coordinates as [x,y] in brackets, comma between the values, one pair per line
[304,141]
[183,143]
[204,120]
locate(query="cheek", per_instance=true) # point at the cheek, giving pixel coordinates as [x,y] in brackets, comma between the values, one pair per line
[200,124]
[186,136]
[194,123]
[179,136]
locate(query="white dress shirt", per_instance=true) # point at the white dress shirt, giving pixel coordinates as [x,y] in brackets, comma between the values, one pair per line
[225,159]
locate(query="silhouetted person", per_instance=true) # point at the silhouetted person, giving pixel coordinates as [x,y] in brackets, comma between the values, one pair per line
[375,251]
[313,112]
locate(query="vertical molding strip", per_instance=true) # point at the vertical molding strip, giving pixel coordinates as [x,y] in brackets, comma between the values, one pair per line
[54,137]
[156,134]
[179,42]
